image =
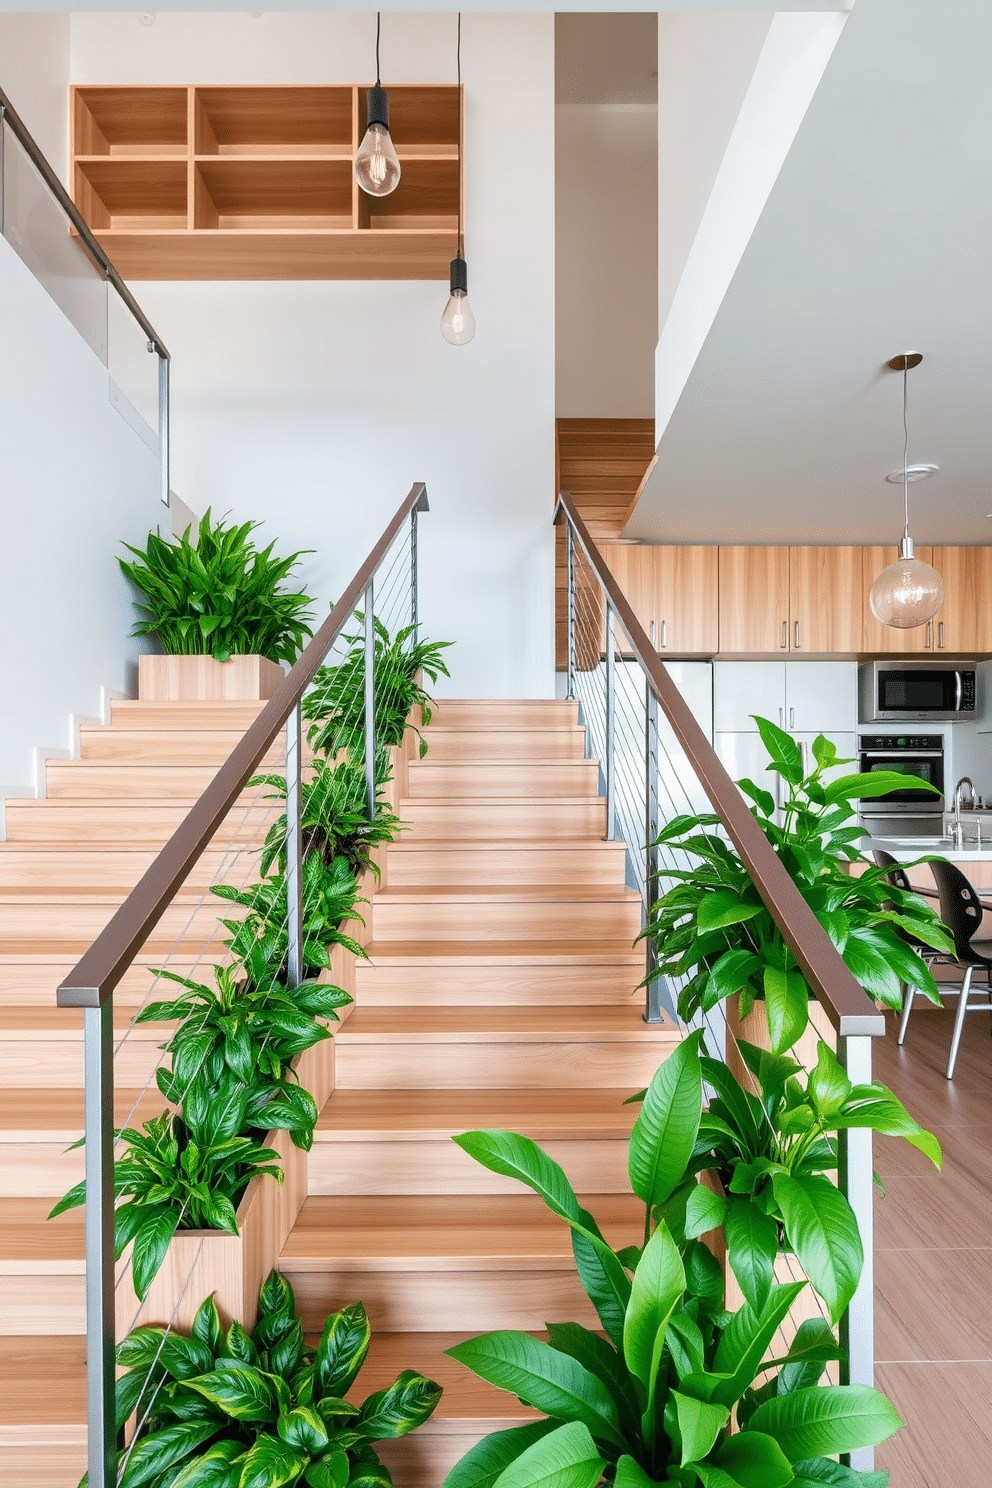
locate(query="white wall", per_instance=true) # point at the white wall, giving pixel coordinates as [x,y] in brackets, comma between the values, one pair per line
[606,259]
[34,73]
[76,480]
[314,406]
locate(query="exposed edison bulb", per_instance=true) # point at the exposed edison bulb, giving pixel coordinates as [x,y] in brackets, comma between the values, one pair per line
[377,170]
[907,593]
[458,322]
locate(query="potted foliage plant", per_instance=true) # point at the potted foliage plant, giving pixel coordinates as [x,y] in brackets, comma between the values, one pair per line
[220,609]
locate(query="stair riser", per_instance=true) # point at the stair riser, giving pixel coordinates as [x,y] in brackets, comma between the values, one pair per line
[393,921]
[195,925]
[432,1167]
[27,1065]
[425,1457]
[491,865]
[494,1066]
[42,1304]
[29,821]
[61,1465]
[383,985]
[462,745]
[116,869]
[442,1301]
[121,782]
[225,716]
[461,713]
[544,782]
[35,986]
[505,819]
[168,747]
[38,1170]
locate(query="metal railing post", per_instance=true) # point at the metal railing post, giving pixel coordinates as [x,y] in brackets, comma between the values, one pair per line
[370,699]
[413,568]
[98,1060]
[855,1176]
[611,788]
[570,604]
[164,367]
[652,826]
[294,848]
[3,134]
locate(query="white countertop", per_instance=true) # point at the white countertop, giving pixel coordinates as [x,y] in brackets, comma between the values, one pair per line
[906,849]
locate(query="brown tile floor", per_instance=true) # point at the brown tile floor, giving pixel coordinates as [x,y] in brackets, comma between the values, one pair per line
[933,1259]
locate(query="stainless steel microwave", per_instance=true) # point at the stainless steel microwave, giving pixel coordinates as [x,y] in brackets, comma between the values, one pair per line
[903,691]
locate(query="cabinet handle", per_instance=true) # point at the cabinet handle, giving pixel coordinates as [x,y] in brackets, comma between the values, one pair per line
[792,718]
[651,629]
[929,640]
[781,718]
[785,635]
[664,635]
[797,646]
[940,636]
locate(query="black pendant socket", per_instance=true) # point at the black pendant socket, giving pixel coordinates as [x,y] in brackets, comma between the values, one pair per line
[459,275]
[377,101]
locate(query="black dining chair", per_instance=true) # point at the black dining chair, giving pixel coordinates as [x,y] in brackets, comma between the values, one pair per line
[899,879]
[961,911]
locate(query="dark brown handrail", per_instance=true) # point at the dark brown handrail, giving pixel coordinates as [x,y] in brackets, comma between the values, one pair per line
[845,1002]
[93,979]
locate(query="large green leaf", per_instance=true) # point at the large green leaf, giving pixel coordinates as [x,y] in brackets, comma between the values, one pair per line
[817,1470]
[219,1467]
[160,1449]
[342,1349]
[754,1460]
[664,1133]
[704,1211]
[821,1228]
[303,1429]
[862,787]
[240,1391]
[785,753]
[659,1283]
[724,907]
[826,1419]
[786,1006]
[543,1378]
[483,1463]
[630,1474]
[332,1470]
[271,1463]
[745,1340]
[699,1425]
[398,1409]
[150,1246]
[828,1085]
[566,1458]
[601,1359]
[752,1248]
[886,1114]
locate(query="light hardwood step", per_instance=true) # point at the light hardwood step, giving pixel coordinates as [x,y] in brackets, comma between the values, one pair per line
[463,973]
[506,912]
[475,1262]
[30,978]
[411,863]
[32,919]
[29,865]
[131,713]
[538,779]
[504,713]
[37,1128]
[42,1269]
[516,744]
[136,823]
[134,746]
[43,1047]
[491,817]
[381,1142]
[450,1048]
[94,780]
[32,1412]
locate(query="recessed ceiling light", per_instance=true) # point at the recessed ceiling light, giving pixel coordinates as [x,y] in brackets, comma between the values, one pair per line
[147,18]
[912,473]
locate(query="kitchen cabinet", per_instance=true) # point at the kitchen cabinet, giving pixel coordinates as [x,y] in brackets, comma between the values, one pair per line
[963,624]
[798,599]
[673,592]
[800,696]
[744,756]
[886,640]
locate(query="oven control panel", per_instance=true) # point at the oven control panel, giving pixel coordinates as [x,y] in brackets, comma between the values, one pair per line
[901,741]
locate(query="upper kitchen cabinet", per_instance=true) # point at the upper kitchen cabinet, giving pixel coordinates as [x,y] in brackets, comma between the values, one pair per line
[754,600]
[963,624]
[673,592]
[887,640]
[825,600]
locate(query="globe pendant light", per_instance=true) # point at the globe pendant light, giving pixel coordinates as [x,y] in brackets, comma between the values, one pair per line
[909,592]
[377,170]
[458,322]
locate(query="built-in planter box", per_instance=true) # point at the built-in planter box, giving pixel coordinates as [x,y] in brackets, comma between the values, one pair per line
[200,679]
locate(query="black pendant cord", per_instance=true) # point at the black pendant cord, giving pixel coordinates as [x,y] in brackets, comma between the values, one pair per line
[378,31]
[458,64]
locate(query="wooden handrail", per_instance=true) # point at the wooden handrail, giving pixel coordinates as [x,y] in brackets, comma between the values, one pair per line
[93,979]
[844,1000]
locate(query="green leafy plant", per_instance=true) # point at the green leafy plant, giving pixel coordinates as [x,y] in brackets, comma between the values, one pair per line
[335,817]
[335,704]
[261,941]
[252,1032]
[181,1173]
[220,1409]
[219,595]
[713,928]
[772,1152]
[654,1400]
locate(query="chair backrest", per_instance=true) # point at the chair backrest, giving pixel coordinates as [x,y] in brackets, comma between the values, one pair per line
[896,875]
[960,906]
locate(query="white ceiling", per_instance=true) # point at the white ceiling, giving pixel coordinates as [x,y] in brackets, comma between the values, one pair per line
[875,240]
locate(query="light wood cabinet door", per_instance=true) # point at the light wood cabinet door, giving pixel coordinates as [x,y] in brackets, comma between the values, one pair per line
[754,601]
[963,625]
[673,592]
[825,600]
[886,639]
[635,570]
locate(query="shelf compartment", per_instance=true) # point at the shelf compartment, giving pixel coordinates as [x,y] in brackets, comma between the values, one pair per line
[273,120]
[130,121]
[145,195]
[242,194]
[425,199]
[418,116]
[276,254]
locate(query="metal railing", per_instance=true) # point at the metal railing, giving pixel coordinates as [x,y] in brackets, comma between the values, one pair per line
[69,262]
[384,592]
[657,763]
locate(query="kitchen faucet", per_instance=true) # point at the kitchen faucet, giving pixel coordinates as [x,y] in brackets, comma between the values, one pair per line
[958,831]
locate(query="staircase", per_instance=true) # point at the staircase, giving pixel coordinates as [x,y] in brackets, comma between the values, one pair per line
[499,992]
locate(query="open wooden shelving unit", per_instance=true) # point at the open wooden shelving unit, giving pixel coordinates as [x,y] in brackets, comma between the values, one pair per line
[256,182]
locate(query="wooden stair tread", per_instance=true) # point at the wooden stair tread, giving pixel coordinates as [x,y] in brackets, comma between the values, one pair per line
[485,894]
[411,803]
[31,1243]
[54,1115]
[521,1024]
[465,1399]
[412,844]
[368,1115]
[403,1232]
[17,1022]
[503,952]
[27,1367]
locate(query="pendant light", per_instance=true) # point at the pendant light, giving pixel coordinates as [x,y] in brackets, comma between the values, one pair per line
[909,592]
[458,322]
[377,170]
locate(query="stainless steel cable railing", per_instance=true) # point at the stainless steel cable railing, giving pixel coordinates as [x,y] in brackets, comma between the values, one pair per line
[657,763]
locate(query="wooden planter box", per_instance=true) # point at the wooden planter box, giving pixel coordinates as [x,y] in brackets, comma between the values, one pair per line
[200,679]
